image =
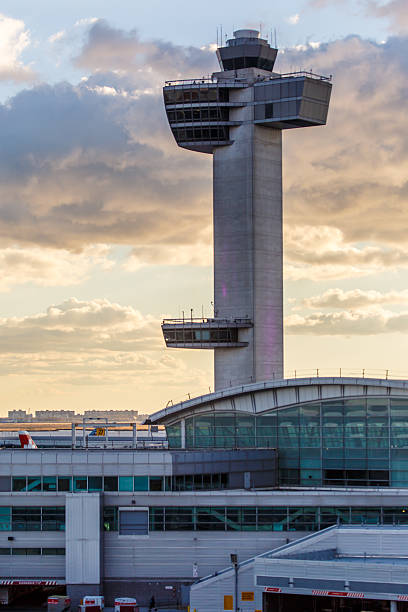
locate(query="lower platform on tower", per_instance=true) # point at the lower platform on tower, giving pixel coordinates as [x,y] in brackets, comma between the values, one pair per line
[204,333]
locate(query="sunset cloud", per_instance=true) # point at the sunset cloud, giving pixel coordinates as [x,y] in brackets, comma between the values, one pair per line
[350,176]
[356,298]
[81,326]
[111,49]
[96,162]
[91,177]
[321,253]
[348,323]
[89,344]
[49,267]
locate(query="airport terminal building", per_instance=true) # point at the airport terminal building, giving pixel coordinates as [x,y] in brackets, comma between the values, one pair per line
[247,471]
[261,463]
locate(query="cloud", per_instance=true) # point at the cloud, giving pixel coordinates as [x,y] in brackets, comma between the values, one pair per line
[112,49]
[96,162]
[350,175]
[14,38]
[294,19]
[86,21]
[324,3]
[199,254]
[49,267]
[81,326]
[79,167]
[395,10]
[356,298]
[57,36]
[321,252]
[90,344]
[348,323]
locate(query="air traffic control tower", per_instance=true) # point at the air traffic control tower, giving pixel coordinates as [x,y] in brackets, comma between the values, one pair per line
[238,115]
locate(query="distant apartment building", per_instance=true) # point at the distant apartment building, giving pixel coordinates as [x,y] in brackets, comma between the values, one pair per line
[58,416]
[19,416]
[69,416]
[111,415]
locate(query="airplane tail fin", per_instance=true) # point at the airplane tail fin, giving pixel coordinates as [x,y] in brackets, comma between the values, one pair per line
[26,440]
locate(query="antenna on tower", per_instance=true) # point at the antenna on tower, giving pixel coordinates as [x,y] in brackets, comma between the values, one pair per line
[221,35]
[276,40]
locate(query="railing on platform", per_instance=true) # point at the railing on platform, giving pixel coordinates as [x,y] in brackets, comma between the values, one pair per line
[218,80]
[208,321]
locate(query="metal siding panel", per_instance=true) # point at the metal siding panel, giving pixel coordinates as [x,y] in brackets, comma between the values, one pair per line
[222,405]
[308,393]
[151,557]
[244,403]
[32,566]
[377,390]
[19,456]
[111,457]
[209,596]
[331,391]
[263,401]
[80,457]
[351,390]
[83,538]
[286,396]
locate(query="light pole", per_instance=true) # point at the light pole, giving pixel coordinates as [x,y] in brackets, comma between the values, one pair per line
[234,562]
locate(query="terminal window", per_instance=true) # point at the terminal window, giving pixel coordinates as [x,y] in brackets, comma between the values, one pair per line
[133,522]
[255,518]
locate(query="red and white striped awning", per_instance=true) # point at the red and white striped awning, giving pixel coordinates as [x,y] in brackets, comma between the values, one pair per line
[324,593]
[30,581]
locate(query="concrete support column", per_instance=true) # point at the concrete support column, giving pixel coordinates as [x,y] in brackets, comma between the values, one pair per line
[183,433]
[134,435]
[73,435]
[248,247]
[393,606]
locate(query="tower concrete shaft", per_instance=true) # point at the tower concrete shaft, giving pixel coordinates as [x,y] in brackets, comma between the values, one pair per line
[248,247]
[238,115]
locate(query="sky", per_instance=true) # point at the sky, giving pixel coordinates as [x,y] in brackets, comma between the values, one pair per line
[106,226]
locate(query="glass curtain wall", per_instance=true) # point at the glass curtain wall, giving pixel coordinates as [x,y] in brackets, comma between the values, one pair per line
[354,442]
[261,518]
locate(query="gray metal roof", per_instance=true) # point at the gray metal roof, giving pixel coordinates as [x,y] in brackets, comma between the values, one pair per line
[260,397]
[339,554]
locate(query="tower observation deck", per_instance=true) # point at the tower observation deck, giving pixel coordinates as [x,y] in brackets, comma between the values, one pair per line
[238,116]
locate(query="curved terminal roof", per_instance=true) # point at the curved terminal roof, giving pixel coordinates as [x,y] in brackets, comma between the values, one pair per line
[256,398]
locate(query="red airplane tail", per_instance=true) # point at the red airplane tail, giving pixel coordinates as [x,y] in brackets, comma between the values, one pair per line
[26,440]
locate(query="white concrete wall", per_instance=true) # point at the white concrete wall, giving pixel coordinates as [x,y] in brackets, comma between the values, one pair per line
[83,538]
[248,247]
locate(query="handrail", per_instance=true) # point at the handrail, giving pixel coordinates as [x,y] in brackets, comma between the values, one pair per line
[205,81]
[241,80]
[299,73]
[188,320]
